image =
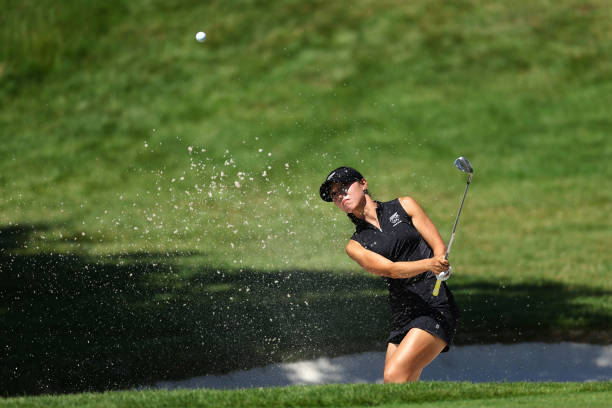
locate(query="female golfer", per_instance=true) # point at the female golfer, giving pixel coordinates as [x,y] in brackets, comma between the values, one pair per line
[397,240]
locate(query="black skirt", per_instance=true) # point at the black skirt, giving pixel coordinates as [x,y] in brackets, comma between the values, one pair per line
[441,322]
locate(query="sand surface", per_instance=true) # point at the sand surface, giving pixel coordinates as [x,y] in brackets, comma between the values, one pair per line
[478,363]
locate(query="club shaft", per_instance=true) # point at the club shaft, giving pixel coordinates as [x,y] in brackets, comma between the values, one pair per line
[450,242]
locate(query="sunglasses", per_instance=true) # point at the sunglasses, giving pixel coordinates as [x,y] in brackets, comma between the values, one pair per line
[342,190]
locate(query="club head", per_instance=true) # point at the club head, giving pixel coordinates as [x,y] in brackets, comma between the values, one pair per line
[464,165]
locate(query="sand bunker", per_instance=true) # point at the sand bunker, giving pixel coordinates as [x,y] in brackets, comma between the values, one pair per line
[494,362]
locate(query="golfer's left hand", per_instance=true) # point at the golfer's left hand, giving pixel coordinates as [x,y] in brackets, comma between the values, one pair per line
[439,264]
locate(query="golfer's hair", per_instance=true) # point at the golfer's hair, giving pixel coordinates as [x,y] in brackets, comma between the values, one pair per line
[351,216]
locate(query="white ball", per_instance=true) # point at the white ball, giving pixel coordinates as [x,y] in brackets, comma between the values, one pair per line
[201,36]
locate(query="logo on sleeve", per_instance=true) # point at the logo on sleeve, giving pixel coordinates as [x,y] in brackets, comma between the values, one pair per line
[395,219]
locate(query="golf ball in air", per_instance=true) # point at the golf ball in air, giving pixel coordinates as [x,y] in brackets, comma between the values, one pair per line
[200,36]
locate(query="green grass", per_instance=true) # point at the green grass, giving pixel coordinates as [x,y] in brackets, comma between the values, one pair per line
[128,254]
[428,394]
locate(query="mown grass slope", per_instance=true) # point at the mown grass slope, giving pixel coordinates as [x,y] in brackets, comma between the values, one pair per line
[159,197]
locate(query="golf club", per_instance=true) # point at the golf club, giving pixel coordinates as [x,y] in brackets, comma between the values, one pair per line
[464,165]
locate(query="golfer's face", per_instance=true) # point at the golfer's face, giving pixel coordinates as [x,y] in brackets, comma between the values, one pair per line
[346,196]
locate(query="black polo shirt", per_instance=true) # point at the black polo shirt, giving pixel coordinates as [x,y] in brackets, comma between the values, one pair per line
[399,240]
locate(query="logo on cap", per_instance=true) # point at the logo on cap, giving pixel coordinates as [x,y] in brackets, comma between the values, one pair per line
[330,176]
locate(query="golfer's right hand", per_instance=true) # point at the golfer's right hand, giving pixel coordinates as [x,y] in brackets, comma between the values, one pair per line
[438,264]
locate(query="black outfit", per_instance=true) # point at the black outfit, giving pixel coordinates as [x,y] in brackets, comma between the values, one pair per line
[411,300]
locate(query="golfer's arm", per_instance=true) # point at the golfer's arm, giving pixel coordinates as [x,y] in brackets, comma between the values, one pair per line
[424,225]
[379,265]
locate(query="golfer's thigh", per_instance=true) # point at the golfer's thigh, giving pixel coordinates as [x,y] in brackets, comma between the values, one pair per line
[417,349]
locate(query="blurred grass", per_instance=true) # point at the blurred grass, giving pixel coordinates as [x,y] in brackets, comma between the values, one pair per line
[124,138]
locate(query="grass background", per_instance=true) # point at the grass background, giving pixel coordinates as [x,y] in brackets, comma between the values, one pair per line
[159,211]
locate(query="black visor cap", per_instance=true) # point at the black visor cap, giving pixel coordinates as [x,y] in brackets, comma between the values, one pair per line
[340,175]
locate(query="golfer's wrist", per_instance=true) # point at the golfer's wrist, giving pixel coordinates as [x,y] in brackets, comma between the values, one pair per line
[427,264]
[441,251]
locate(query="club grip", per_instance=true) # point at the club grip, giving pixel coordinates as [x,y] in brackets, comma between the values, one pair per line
[437,287]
